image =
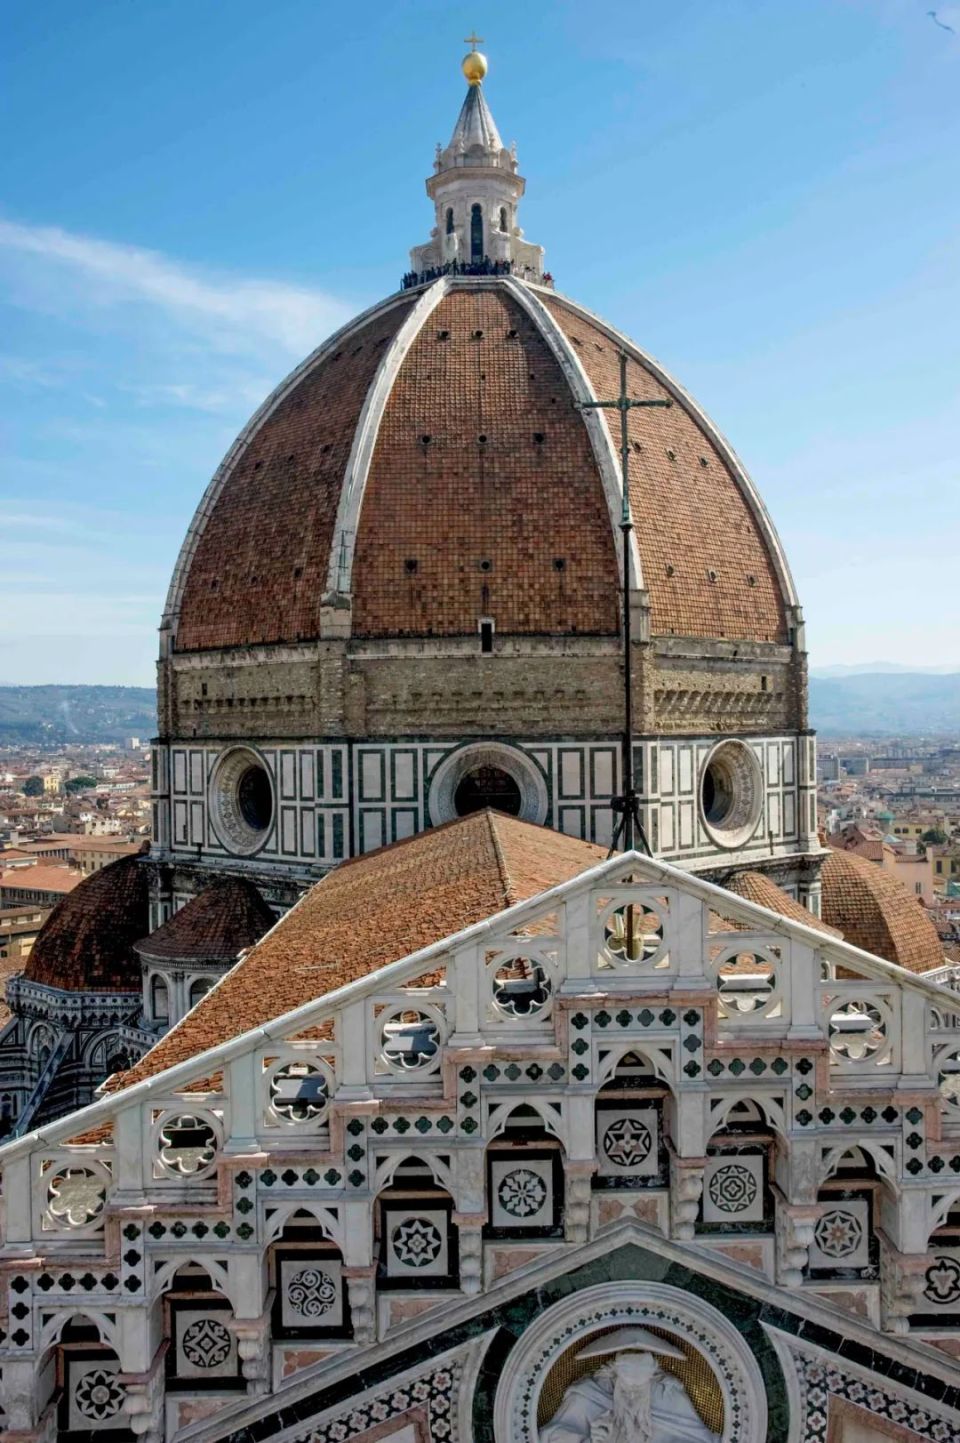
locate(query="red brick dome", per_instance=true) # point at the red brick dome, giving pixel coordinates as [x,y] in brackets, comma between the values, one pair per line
[430,464]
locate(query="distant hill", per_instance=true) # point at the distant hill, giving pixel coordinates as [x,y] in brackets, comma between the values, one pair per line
[863,667]
[887,703]
[892,703]
[38,714]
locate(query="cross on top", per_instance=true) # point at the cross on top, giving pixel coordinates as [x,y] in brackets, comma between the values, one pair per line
[473,41]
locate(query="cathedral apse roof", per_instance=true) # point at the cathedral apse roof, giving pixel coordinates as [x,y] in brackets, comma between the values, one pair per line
[875,911]
[228,916]
[86,944]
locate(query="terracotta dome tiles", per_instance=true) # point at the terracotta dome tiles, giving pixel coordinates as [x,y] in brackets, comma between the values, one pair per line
[260,567]
[483,494]
[706,564]
[483,478]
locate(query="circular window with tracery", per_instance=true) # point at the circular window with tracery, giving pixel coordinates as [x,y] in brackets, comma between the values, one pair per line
[487,774]
[241,801]
[731,794]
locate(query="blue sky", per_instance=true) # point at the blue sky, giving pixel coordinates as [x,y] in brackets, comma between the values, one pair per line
[764,193]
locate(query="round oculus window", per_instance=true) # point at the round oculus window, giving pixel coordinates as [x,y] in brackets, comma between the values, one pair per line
[487,774]
[488,787]
[241,801]
[731,794]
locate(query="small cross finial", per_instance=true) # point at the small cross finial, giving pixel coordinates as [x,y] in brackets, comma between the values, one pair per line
[473,40]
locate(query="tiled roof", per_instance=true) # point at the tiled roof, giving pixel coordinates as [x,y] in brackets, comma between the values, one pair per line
[86,944]
[215,926]
[372,911]
[874,911]
[483,495]
[42,879]
[758,888]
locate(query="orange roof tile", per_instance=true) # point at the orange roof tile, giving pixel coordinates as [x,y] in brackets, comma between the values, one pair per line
[372,911]
[758,888]
[875,911]
[41,879]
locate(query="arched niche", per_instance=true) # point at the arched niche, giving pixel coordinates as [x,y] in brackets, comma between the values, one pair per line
[737,1196]
[415,1239]
[305,1273]
[525,1179]
[203,1354]
[634,1118]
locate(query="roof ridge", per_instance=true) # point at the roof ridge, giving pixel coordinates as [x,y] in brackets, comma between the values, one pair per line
[508,887]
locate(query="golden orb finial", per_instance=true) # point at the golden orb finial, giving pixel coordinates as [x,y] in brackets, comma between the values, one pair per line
[474,65]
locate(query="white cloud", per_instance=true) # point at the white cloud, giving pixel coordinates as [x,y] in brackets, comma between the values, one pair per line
[230,312]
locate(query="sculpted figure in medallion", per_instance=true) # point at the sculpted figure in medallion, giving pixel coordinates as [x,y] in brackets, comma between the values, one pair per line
[628,1400]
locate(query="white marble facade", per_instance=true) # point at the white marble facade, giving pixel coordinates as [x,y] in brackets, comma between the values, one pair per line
[337,800]
[403,1207]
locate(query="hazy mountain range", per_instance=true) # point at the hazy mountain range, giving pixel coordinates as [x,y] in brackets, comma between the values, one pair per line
[38,714]
[886,700]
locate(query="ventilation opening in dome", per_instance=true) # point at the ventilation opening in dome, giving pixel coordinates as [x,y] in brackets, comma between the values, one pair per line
[487,787]
[255,798]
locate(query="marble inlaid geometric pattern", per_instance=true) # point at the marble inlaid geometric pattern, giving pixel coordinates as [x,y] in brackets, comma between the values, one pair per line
[95,1396]
[628,1143]
[311,1292]
[417,1243]
[820,1381]
[521,1193]
[733,1189]
[435,1393]
[941,1283]
[841,1237]
[205,1346]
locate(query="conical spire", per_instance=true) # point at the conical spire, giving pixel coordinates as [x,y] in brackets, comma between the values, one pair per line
[475,189]
[475,124]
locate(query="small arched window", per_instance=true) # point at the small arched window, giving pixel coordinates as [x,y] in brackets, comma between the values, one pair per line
[503,219]
[449,220]
[159,1000]
[476,232]
[198,989]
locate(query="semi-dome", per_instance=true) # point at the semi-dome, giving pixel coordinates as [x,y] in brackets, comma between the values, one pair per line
[875,912]
[87,942]
[430,465]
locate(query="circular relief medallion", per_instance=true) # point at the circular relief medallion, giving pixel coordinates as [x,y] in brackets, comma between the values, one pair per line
[838,1234]
[733,1188]
[206,1343]
[942,1282]
[627,1142]
[98,1395]
[522,1193]
[311,1293]
[416,1242]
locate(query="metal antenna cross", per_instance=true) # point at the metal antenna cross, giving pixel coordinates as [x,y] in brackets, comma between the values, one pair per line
[630,825]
